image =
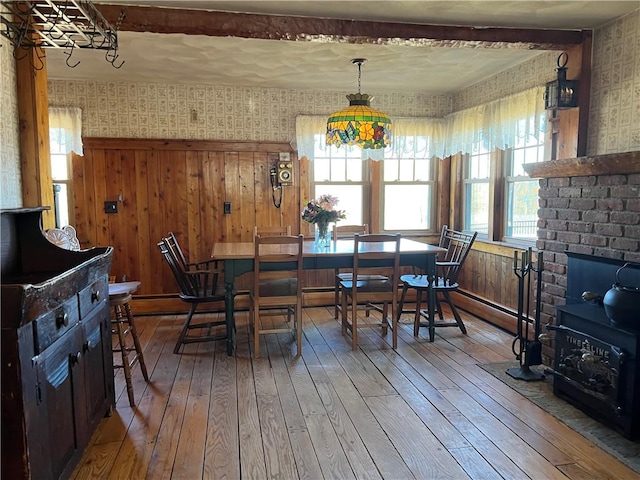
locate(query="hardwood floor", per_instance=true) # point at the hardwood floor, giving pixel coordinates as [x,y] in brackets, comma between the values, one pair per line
[424,411]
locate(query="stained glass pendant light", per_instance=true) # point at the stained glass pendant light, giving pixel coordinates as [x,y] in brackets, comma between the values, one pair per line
[359,124]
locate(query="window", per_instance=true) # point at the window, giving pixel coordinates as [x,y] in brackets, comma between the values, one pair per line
[521,190]
[65,136]
[340,172]
[476,193]
[61,174]
[408,187]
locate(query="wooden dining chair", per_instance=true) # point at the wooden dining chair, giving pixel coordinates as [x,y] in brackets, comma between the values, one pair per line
[277,293]
[268,231]
[196,286]
[172,243]
[448,266]
[374,282]
[343,232]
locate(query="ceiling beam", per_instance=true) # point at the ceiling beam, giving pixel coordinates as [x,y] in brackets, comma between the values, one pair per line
[279,27]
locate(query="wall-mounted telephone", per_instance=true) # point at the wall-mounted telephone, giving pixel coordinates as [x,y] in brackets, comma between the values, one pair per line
[281,175]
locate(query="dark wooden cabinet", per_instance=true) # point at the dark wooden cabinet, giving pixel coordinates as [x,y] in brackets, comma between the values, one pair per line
[57,368]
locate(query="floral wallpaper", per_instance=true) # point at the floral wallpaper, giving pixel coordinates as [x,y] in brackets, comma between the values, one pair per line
[10,179]
[207,112]
[614,117]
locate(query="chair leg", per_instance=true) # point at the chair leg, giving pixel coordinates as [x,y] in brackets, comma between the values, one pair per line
[394,326]
[185,328]
[405,287]
[344,313]
[456,315]
[119,320]
[136,341]
[385,316]
[256,331]
[354,324]
[299,329]
[336,299]
[416,318]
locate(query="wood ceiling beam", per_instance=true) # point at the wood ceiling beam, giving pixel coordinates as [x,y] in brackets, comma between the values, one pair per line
[278,27]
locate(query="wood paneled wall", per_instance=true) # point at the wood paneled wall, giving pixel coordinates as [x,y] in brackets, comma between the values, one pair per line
[178,186]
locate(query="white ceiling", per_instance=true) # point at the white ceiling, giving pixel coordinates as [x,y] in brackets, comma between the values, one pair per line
[179,58]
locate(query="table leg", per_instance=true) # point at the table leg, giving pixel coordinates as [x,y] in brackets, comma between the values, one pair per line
[229,307]
[431,295]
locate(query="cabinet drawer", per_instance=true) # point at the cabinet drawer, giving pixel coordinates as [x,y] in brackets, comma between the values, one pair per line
[92,296]
[51,326]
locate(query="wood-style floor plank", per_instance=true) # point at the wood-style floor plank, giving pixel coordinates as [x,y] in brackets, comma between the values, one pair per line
[425,410]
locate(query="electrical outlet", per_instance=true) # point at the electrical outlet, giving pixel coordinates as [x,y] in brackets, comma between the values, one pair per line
[227,208]
[110,207]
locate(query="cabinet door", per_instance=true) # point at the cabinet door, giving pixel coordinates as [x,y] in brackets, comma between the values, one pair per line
[98,365]
[59,368]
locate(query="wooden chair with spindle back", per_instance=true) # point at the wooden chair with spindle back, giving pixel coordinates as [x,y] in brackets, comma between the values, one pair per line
[448,266]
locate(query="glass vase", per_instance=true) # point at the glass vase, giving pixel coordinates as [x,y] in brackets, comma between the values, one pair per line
[323,234]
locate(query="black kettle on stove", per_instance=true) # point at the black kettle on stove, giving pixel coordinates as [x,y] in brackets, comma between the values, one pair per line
[622,302]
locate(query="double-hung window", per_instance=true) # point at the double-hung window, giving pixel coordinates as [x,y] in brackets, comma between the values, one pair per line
[340,172]
[476,191]
[408,187]
[522,191]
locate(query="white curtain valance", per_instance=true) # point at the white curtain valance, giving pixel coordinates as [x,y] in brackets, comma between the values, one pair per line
[69,119]
[499,124]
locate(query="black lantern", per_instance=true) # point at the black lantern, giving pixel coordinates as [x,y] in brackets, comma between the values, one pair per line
[561,93]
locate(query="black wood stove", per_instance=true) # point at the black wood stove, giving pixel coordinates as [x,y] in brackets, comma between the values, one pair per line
[597,365]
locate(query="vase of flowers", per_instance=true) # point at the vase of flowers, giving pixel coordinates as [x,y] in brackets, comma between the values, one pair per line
[321,212]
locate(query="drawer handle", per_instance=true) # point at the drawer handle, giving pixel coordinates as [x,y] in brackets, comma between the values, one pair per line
[95,296]
[62,320]
[86,346]
[75,358]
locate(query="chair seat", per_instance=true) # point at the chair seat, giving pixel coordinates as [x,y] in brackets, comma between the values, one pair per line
[365,285]
[348,276]
[420,281]
[124,288]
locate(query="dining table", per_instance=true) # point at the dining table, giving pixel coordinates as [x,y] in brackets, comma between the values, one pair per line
[238,258]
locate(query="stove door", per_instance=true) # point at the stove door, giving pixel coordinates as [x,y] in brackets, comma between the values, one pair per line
[592,368]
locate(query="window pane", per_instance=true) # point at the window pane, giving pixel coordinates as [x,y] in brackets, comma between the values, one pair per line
[522,209]
[390,169]
[61,203]
[423,170]
[59,167]
[477,208]
[321,169]
[354,170]
[406,170]
[349,197]
[402,214]
[479,166]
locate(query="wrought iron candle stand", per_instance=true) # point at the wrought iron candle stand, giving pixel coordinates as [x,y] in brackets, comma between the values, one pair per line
[528,352]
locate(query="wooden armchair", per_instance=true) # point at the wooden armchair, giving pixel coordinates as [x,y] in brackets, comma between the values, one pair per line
[448,266]
[197,286]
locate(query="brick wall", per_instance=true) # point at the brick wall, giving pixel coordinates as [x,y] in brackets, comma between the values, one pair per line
[592,215]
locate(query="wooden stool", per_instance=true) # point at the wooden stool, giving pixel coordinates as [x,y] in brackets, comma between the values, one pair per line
[119,298]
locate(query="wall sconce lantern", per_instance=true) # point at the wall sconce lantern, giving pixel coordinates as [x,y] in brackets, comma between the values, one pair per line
[561,93]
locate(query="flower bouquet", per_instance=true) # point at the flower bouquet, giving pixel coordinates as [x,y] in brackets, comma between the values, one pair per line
[322,211]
